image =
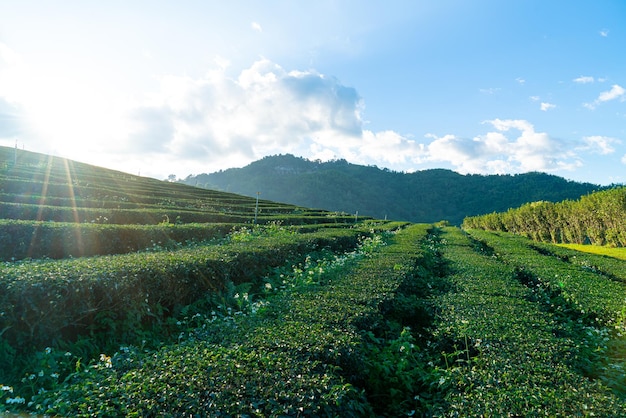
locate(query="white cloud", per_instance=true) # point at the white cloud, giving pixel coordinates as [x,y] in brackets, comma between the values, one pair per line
[616,92]
[547,106]
[599,144]
[624,159]
[604,33]
[218,121]
[256,26]
[583,79]
[520,80]
[514,146]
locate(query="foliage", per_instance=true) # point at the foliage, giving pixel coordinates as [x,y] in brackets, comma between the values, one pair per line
[619,253]
[307,314]
[423,196]
[117,297]
[598,218]
[595,297]
[512,349]
[283,360]
[33,239]
[571,290]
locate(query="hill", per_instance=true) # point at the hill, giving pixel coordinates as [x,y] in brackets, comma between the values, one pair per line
[128,296]
[423,196]
[54,207]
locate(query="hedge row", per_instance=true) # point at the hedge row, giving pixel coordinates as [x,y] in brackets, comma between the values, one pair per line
[301,355]
[510,353]
[149,202]
[598,218]
[56,240]
[593,295]
[612,268]
[155,216]
[44,302]
[32,239]
[114,216]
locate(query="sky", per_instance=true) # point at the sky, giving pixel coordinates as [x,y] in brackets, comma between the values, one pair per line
[185,87]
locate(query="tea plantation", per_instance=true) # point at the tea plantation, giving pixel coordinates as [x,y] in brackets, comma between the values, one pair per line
[127,296]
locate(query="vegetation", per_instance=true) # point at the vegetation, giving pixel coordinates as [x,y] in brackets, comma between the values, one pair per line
[301,313]
[527,343]
[422,196]
[608,251]
[598,218]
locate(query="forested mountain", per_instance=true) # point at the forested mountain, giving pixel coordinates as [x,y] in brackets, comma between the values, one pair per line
[423,196]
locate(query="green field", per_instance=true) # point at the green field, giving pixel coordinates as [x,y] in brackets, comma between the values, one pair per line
[598,249]
[127,296]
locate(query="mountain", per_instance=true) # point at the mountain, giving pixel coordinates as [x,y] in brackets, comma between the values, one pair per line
[423,196]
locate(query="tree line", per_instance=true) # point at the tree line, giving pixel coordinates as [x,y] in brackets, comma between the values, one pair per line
[598,218]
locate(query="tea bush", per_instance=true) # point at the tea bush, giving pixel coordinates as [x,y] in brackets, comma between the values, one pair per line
[111,297]
[593,295]
[28,239]
[508,353]
[302,354]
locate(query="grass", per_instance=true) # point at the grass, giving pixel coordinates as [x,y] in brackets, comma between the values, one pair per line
[619,253]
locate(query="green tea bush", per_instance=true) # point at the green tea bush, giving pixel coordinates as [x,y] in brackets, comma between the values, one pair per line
[28,239]
[300,355]
[112,297]
[593,295]
[508,353]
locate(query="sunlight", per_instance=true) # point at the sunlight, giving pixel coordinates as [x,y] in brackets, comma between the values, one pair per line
[72,196]
[74,117]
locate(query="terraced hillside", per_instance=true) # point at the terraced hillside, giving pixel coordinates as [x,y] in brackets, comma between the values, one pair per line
[305,313]
[95,258]
[53,207]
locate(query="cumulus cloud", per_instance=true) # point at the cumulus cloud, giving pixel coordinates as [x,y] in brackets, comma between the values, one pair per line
[547,106]
[616,92]
[256,26]
[217,121]
[265,109]
[513,146]
[227,118]
[604,33]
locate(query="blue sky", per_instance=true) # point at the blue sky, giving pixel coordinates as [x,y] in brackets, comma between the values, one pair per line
[187,87]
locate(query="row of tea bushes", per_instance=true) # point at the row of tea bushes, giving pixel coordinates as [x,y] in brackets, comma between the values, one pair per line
[298,356]
[155,216]
[508,352]
[128,201]
[33,239]
[141,216]
[113,297]
[612,268]
[593,295]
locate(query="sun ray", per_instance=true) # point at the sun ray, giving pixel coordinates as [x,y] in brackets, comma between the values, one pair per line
[72,196]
